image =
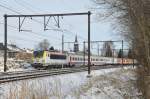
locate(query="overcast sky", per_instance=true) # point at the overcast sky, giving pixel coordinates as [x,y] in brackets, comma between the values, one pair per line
[76,25]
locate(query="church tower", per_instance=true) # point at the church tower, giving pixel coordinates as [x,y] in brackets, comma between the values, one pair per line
[76,45]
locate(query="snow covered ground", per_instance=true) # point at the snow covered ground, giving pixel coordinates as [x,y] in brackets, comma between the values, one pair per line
[116,83]
[15,65]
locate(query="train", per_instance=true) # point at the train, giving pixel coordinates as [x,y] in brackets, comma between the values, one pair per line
[56,59]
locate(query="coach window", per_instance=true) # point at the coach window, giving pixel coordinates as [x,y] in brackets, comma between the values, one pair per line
[78,58]
[54,56]
[75,58]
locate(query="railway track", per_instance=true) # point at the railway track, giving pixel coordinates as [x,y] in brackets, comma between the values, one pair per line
[22,75]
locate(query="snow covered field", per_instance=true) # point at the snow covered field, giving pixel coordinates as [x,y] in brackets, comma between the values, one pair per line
[116,83]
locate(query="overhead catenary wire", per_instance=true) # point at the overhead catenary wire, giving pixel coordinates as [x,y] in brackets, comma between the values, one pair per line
[35,33]
[27,40]
[22,4]
[9,8]
[25,2]
[61,30]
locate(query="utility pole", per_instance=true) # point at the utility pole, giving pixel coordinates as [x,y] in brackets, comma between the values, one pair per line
[98,49]
[89,41]
[84,53]
[62,43]
[122,54]
[5,41]
[113,55]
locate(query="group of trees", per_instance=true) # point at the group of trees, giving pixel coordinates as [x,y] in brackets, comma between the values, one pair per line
[128,55]
[133,21]
[109,50]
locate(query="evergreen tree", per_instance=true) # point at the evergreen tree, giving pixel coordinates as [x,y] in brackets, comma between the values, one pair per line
[51,48]
[120,53]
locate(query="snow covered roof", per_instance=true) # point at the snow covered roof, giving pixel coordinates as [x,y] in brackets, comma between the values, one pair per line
[12,47]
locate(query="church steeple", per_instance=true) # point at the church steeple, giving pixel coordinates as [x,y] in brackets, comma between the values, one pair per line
[76,39]
[76,45]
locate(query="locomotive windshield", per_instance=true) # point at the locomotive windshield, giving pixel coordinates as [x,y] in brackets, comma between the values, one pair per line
[54,56]
[38,54]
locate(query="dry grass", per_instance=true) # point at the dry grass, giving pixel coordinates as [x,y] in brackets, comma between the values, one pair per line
[30,90]
[124,88]
[143,82]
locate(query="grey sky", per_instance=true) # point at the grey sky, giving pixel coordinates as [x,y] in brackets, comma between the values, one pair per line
[75,25]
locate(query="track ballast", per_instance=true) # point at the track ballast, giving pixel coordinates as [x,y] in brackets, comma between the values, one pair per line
[22,75]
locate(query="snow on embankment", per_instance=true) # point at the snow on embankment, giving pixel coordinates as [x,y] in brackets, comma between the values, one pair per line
[15,65]
[120,84]
[104,84]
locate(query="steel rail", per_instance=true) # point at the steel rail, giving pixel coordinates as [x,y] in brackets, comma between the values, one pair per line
[37,74]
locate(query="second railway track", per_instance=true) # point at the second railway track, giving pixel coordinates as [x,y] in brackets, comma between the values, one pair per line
[16,76]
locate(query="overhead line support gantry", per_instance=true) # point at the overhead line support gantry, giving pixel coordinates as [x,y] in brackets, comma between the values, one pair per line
[45,24]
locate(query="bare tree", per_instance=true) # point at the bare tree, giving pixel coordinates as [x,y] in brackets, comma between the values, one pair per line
[107,49]
[44,45]
[130,54]
[133,21]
